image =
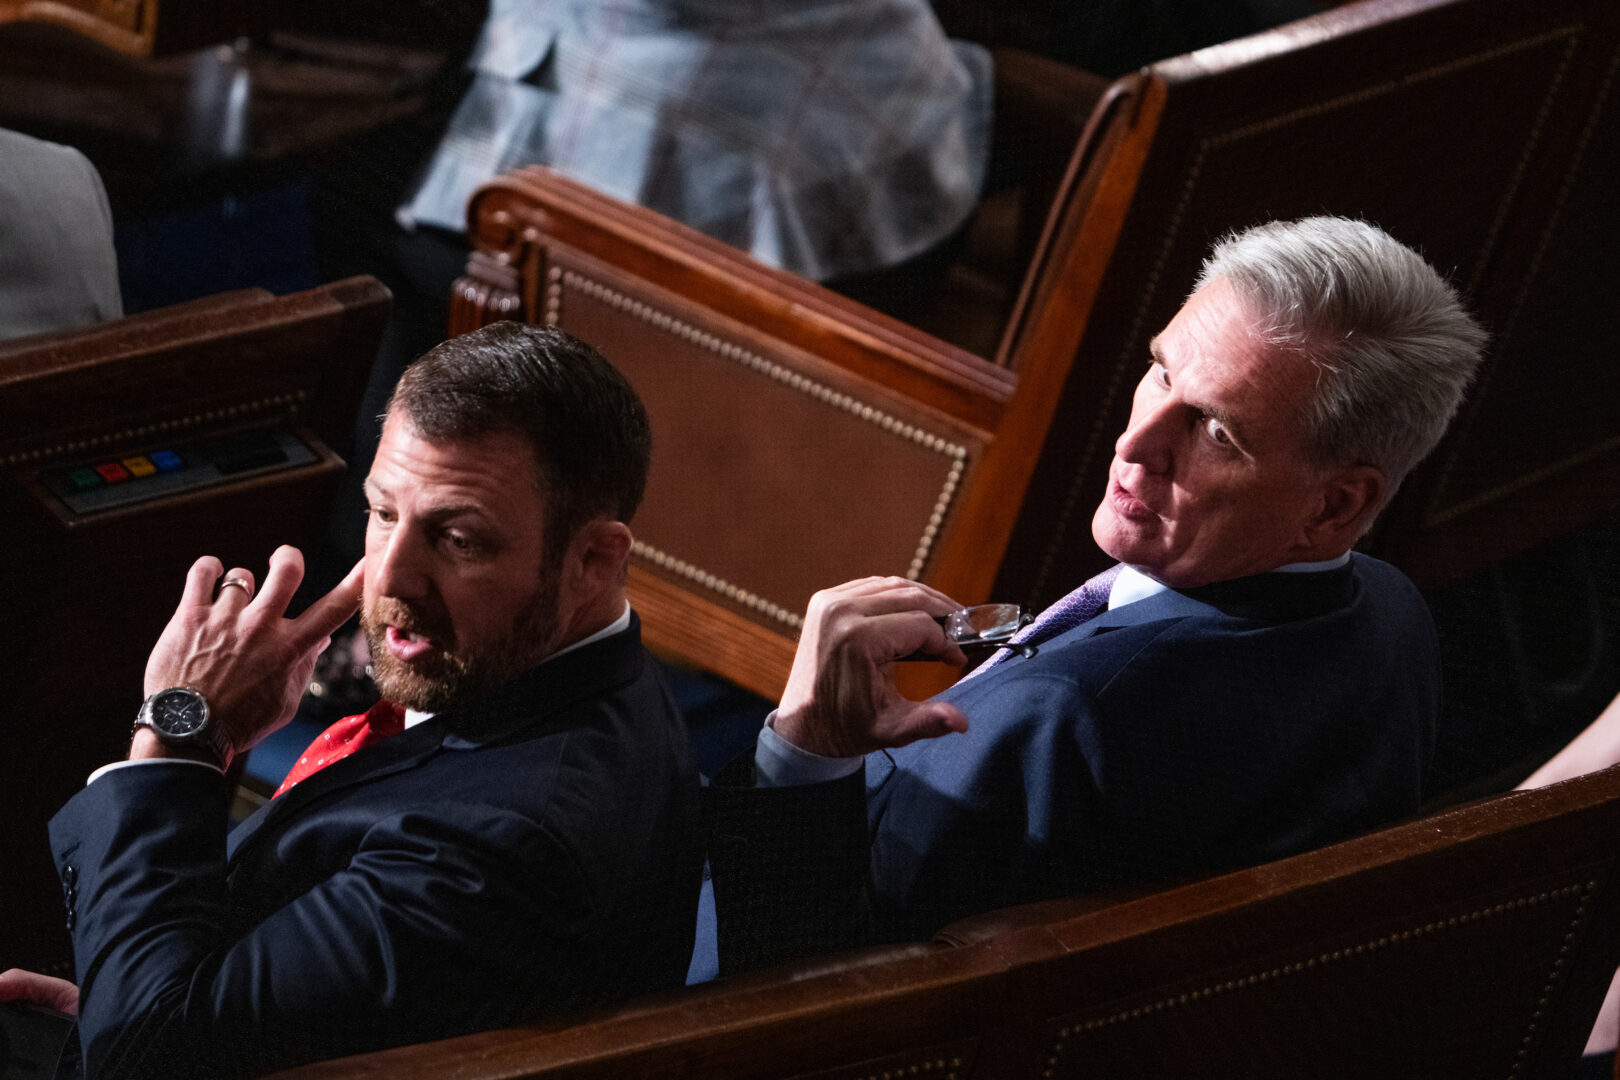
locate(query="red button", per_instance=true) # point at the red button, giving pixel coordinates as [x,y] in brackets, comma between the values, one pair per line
[112,472]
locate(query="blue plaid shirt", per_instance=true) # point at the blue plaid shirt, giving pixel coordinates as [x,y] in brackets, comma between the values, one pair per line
[823,136]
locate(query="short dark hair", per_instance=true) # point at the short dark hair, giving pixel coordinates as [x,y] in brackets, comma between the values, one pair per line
[588,429]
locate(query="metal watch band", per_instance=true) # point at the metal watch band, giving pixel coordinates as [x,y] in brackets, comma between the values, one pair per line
[211,738]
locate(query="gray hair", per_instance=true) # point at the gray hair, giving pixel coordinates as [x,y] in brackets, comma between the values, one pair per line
[1395,345]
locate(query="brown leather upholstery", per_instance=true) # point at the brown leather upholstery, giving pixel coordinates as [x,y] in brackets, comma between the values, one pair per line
[804,439]
[87,592]
[1478,942]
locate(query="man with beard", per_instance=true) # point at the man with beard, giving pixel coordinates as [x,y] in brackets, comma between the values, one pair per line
[510,831]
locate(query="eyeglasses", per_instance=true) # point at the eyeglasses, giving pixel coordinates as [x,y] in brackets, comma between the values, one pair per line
[983,626]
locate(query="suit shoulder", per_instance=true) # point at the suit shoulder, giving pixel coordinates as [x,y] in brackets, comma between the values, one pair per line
[1380,573]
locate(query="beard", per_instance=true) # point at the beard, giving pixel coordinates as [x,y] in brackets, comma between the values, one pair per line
[456,670]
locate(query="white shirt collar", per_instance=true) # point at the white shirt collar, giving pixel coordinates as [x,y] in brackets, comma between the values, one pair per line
[1133,585]
[617,626]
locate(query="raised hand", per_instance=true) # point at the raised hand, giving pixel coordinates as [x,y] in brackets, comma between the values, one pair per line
[238,649]
[840,698]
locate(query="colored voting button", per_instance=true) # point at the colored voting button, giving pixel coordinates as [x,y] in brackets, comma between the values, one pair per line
[139,466]
[112,472]
[84,479]
[166,460]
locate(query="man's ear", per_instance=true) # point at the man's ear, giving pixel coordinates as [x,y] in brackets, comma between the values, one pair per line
[1351,498]
[598,556]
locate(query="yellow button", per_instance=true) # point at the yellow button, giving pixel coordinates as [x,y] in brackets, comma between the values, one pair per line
[139,466]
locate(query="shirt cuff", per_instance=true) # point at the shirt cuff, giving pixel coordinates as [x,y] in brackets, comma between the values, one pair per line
[779,763]
[105,769]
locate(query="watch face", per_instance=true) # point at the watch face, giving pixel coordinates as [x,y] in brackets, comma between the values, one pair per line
[179,712]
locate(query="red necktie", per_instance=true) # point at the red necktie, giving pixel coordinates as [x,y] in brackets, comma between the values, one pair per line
[344,738]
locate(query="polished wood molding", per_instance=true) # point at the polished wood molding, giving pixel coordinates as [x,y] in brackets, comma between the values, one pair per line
[709,636]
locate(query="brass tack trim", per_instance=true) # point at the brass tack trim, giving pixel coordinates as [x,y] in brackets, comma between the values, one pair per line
[158,427]
[1434,515]
[947,1070]
[558,278]
[696,574]
[1582,893]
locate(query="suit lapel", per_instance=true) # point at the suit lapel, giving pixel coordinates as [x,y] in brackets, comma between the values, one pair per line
[380,759]
[527,704]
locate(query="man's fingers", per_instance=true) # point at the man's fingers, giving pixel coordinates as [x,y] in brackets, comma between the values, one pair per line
[200,581]
[324,616]
[879,595]
[924,720]
[51,993]
[903,633]
[286,571]
[235,589]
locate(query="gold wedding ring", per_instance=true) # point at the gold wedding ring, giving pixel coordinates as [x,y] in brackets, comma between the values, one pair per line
[241,583]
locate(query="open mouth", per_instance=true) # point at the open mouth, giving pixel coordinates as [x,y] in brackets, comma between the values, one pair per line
[409,645]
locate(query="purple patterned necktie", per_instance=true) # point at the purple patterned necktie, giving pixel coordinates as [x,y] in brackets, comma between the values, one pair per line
[1072,610]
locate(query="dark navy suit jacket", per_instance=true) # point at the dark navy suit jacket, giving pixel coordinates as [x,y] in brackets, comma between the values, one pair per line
[1187,733]
[532,850]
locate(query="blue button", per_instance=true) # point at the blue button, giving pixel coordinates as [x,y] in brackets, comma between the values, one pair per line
[165,460]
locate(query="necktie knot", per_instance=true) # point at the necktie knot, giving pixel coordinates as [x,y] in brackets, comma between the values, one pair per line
[385,719]
[1077,607]
[344,738]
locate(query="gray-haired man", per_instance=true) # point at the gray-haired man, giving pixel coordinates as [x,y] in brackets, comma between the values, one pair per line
[1251,689]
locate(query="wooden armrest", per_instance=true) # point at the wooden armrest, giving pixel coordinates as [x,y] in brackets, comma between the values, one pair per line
[723,1028]
[993,924]
[202,305]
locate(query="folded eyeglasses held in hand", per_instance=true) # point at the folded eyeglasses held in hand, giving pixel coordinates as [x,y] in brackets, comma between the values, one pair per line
[983,626]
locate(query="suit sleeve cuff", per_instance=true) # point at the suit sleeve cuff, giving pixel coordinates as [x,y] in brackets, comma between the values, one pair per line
[105,769]
[779,763]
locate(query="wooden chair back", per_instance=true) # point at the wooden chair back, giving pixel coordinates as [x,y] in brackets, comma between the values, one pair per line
[1479,131]
[805,439]
[250,393]
[1477,942]
[148,27]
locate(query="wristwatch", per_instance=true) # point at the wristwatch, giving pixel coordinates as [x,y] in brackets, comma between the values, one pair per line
[181,718]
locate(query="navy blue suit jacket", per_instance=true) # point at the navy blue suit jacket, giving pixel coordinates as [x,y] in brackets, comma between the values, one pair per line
[1187,733]
[531,850]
